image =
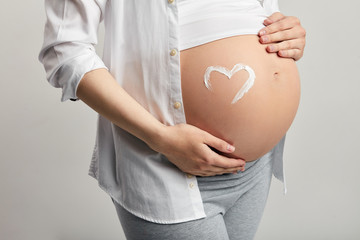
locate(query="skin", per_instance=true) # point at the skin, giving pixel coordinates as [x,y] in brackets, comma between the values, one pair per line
[255,123]
[186,146]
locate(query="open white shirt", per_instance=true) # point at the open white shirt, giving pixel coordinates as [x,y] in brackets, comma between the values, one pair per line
[141,52]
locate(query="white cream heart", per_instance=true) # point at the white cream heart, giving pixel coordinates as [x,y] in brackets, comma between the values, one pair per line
[244,89]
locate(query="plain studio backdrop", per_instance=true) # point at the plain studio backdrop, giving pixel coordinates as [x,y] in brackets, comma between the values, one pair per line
[46,145]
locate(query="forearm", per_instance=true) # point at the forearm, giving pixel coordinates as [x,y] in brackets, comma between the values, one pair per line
[99,90]
[184,145]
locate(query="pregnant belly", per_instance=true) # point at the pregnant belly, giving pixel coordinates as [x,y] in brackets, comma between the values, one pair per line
[257,121]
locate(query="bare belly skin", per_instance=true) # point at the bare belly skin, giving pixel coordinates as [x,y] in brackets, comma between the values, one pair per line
[255,123]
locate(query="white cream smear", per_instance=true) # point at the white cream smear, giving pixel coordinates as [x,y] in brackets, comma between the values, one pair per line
[244,89]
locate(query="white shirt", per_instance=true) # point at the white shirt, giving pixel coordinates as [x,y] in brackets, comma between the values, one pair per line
[141,52]
[203,21]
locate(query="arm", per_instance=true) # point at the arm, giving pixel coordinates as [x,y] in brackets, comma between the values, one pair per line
[71,63]
[286,35]
[184,145]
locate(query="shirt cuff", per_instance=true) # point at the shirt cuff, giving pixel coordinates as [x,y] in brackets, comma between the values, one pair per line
[70,73]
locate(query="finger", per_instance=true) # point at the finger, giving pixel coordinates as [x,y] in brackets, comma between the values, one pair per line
[285,45]
[296,54]
[284,35]
[219,171]
[229,170]
[277,16]
[218,143]
[283,24]
[221,161]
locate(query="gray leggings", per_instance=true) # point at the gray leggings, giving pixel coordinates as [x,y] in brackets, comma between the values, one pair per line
[233,203]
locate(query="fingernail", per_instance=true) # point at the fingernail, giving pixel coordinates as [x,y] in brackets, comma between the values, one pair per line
[271,48]
[282,53]
[262,32]
[264,39]
[230,147]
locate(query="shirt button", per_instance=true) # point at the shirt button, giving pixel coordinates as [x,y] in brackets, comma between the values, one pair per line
[170,1]
[189,175]
[191,185]
[173,52]
[177,105]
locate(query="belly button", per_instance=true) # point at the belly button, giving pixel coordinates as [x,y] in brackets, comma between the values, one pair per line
[276,75]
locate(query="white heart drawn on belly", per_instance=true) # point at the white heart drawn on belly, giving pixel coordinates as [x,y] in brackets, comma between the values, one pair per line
[244,89]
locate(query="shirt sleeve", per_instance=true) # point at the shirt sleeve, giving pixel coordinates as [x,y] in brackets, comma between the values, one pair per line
[70,35]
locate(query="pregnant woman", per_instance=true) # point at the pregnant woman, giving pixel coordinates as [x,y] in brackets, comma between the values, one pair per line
[194,101]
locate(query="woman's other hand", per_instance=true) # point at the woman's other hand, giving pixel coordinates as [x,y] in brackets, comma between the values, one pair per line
[284,35]
[188,147]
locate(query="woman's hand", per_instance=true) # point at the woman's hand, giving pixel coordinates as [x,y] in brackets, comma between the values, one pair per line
[187,147]
[285,35]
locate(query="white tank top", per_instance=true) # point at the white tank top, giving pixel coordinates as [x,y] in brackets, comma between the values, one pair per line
[203,21]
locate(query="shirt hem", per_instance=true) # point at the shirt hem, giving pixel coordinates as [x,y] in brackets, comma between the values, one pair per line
[199,42]
[199,216]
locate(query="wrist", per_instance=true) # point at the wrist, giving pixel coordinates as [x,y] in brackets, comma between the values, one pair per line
[156,138]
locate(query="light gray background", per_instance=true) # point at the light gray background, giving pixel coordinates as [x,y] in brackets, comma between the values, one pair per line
[46,145]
